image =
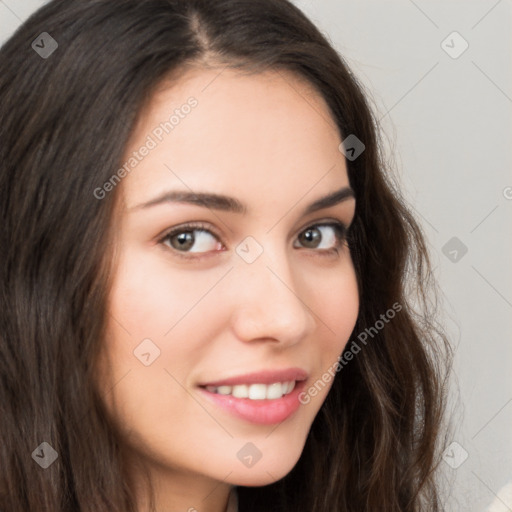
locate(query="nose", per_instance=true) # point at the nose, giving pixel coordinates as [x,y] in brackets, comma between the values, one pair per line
[269,304]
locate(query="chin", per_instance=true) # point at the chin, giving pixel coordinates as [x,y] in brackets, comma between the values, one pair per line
[256,479]
[263,473]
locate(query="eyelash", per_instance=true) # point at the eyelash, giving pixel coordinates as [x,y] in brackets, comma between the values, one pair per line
[341,233]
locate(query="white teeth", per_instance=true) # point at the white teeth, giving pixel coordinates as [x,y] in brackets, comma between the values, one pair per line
[276,390]
[255,391]
[258,392]
[240,391]
[224,390]
[291,385]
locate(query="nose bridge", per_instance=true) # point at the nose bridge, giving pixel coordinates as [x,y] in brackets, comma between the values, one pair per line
[268,303]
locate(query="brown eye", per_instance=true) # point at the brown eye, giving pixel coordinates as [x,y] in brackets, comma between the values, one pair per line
[330,235]
[191,239]
[311,237]
[182,241]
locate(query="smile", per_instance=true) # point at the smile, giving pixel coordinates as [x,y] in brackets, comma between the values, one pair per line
[271,391]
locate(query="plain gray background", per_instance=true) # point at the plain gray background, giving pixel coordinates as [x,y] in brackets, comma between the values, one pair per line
[447,122]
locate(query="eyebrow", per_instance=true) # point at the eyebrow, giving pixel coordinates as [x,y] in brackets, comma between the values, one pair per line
[230,204]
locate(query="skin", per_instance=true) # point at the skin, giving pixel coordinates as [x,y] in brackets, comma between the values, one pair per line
[268,140]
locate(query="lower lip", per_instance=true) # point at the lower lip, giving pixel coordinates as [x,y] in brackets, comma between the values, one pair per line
[263,412]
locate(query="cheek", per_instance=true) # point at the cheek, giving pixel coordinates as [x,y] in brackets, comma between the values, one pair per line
[140,300]
[150,297]
[150,347]
[336,307]
[158,321]
[143,308]
[336,300]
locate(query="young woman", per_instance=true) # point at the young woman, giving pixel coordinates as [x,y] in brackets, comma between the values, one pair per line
[212,297]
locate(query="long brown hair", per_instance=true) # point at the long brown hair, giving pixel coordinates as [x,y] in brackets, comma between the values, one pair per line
[66,120]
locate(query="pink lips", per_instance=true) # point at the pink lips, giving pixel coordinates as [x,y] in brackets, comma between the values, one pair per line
[266,411]
[263,377]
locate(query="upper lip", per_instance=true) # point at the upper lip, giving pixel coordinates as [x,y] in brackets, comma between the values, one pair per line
[263,377]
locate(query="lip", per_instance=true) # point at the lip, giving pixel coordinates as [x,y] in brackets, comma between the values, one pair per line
[262,377]
[262,412]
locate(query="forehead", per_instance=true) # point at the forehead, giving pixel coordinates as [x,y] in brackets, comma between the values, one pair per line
[251,133]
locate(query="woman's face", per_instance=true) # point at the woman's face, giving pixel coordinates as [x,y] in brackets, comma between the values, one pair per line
[258,294]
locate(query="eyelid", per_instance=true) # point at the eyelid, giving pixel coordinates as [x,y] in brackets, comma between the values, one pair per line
[206,227]
[189,226]
[185,227]
[323,222]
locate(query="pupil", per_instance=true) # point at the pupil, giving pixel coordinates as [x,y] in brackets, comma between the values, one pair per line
[185,240]
[312,235]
